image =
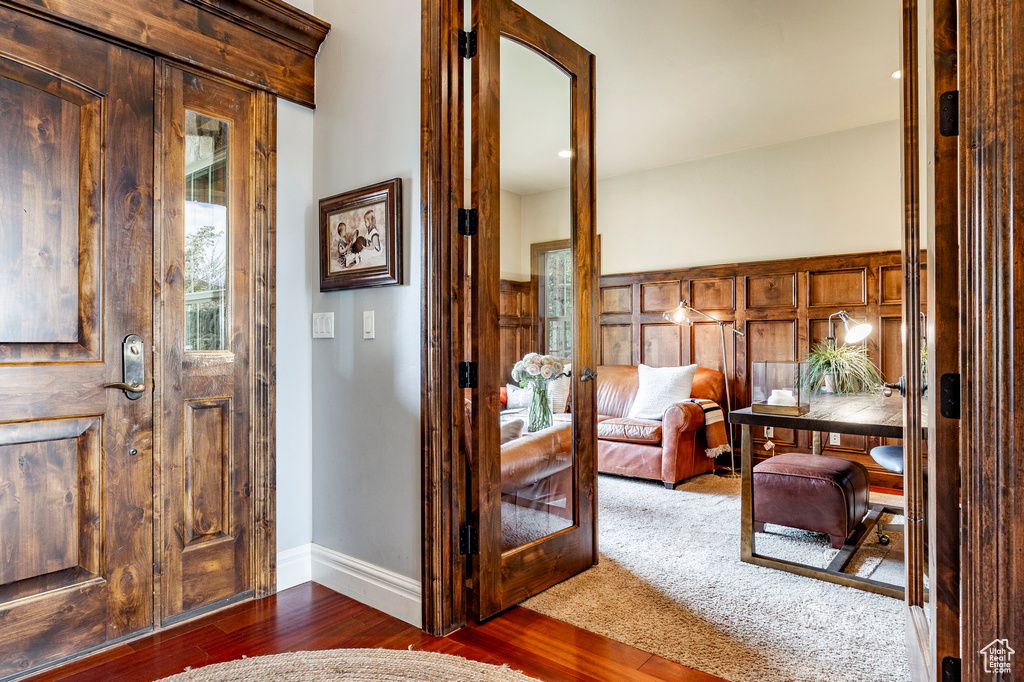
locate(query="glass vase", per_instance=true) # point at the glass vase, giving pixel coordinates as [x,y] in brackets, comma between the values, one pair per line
[540,408]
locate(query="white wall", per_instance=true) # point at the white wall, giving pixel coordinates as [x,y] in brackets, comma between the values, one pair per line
[830,194]
[366,394]
[296,273]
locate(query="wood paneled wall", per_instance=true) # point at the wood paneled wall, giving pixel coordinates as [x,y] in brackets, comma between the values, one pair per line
[782,306]
[519,323]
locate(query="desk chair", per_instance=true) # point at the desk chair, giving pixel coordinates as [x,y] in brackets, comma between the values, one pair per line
[890,458]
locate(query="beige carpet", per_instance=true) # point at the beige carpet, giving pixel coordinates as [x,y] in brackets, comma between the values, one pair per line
[670,582]
[352,665]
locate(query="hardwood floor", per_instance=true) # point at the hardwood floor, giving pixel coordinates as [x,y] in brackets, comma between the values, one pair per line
[310,617]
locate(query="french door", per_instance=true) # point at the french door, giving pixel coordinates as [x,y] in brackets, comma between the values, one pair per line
[931,320]
[533,498]
[76,304]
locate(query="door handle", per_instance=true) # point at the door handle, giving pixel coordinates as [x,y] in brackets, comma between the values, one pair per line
[133,368]
[900,386]
[588,374]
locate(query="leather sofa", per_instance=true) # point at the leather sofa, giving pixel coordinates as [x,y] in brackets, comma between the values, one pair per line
[669,451]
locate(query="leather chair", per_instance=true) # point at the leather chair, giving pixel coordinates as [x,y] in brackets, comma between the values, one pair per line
[670,450]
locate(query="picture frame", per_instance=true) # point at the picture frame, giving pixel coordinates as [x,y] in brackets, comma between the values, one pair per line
[361,237]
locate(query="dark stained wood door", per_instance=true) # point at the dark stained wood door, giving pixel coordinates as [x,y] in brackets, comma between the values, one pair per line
[536,528]
[76,226]
[205,302]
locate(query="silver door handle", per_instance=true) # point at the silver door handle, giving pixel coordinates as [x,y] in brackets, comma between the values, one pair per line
[133,368]
[588,374]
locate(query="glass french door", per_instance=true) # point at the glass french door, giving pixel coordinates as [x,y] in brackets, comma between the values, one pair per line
[533,480]
[931,343]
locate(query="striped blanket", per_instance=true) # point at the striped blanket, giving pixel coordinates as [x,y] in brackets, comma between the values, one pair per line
[716,433]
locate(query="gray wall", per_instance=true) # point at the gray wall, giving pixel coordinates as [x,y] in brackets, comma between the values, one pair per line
[296,272]
[366,394]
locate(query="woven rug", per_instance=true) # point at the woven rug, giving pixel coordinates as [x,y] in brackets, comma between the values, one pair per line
[670,582]
[352,665]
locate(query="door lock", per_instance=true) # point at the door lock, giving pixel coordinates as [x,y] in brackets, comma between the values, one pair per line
[588,374]
[133,368]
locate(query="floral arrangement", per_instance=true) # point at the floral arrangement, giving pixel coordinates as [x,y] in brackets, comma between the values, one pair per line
[537,370]
[534,368]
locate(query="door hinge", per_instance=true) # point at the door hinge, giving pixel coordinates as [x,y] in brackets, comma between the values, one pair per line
[467,375]
[949,113]
[469,541]
[950,669]
[467,44]
[469,220]
[949,396]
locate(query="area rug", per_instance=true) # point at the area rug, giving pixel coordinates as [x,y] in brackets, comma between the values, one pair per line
[352,665]
[670,582]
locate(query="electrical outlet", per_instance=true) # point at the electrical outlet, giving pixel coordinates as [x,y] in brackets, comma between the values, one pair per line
[769,432]
[834,439]
[323,325]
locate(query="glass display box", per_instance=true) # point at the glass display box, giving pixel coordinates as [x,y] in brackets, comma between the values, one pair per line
[779,388]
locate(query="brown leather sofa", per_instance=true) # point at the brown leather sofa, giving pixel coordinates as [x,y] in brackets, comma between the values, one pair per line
[669,451]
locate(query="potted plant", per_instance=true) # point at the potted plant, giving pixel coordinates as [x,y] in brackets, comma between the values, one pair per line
[841,369]
[536,371]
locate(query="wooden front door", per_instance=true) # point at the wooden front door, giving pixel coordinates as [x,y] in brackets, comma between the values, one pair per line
[76,282]
[534,498]
[206,295]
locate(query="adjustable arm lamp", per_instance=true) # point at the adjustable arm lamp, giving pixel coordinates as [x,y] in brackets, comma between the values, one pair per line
[680,315]
[858,332]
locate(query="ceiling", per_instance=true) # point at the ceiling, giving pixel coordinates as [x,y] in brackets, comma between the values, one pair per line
[679,80]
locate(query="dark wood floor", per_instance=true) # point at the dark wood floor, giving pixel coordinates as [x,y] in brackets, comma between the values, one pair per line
[311,617]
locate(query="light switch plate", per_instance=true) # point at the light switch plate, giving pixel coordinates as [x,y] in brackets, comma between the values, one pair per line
[769,432]
[323,325]
[834,439]
[369,332]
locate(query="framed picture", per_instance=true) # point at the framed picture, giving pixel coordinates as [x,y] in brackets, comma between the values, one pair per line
[361,237]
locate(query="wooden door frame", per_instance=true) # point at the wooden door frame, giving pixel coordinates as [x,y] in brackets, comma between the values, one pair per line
[992,295]
[443,318]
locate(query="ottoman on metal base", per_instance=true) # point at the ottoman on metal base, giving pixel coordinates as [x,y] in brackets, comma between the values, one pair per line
[811,492]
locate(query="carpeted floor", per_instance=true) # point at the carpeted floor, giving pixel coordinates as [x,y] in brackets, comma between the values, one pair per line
[354,665]
[671,582]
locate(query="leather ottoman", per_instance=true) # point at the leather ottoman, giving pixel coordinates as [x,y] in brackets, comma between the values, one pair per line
[811,492]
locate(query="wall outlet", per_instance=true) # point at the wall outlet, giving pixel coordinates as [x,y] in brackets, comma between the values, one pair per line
[835,439]
[323,325]
[769,432]
[369,330]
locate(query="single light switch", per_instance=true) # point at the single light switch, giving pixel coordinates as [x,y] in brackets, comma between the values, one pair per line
[769,432]
[834,439]
[323,325]
[368,328]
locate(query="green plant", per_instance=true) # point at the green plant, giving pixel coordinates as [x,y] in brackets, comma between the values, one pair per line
[849,364]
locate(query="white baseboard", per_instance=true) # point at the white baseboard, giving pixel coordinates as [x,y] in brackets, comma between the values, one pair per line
[394,594]
[294,566]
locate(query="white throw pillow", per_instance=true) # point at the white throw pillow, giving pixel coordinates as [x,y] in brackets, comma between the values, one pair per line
[558,392]
[518,398]
[661,388]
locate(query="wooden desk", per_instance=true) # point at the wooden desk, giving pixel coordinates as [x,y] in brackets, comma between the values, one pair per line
[863,415]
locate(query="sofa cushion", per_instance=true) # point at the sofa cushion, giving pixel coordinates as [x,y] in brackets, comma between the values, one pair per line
[630,430]
[616,389]
[661,388]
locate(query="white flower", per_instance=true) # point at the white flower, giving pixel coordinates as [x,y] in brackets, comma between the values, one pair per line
[546,371]
[533,369]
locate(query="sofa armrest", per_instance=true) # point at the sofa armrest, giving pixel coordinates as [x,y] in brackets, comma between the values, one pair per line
[679,429]
[680,418]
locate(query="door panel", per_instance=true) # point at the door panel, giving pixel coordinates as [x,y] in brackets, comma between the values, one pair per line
[205,295]
[533,498]
[75,280]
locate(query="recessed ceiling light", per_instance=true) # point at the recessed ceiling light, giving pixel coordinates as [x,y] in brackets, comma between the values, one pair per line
[896,74]
[565,153]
